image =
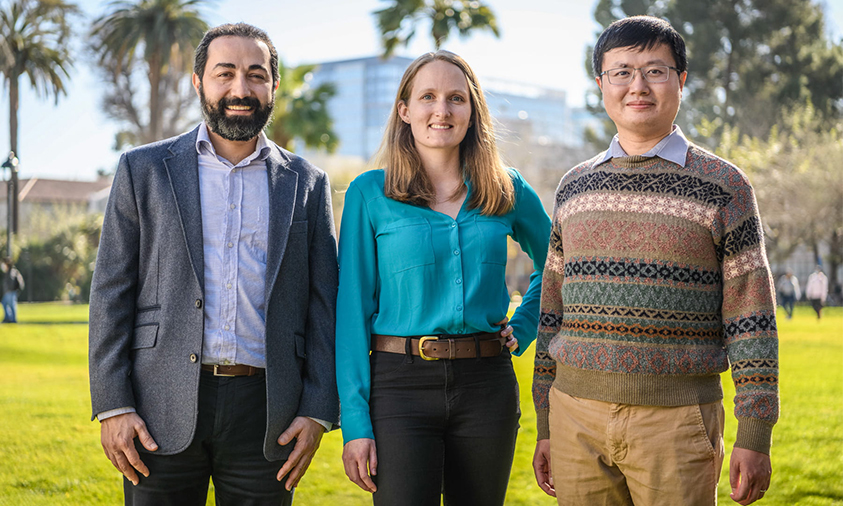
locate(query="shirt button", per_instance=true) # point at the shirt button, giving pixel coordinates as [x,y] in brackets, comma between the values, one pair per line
[453,225]
[459,308]
[198,303]
[227,327]
[456,252]
[228,286]
[233,206]
[193,358]
[231,245]
[459,281]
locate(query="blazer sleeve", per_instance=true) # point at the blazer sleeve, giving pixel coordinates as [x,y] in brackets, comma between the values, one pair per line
[319,392]
[113,295]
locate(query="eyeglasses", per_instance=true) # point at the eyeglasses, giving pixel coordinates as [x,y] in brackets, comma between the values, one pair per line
[652,74]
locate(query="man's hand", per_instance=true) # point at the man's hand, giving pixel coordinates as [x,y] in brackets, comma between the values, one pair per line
[541,467]
[308,435]
[117,435]
[749,475]
[360,459]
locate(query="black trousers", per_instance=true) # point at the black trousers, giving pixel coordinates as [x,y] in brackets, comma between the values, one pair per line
[445,427]
[228,446]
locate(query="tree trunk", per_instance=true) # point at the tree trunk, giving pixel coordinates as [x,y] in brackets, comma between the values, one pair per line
[13,114]
[155,116]
[835,257]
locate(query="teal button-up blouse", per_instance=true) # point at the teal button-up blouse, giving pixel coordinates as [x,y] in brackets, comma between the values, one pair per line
[407,270]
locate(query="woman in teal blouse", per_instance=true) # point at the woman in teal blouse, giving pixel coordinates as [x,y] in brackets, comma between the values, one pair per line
[429,397]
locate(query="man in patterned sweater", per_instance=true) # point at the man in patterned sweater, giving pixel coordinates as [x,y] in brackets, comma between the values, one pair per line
[656,281]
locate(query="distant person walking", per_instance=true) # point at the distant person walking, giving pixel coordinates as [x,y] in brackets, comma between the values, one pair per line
[817,290]
[789,292]
[12,283]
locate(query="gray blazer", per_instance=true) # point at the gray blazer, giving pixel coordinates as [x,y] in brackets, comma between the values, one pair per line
[147,296]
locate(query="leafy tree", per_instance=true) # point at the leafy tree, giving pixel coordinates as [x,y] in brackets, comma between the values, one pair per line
[151,41]
[57,254]
[750,61]
[796,174]
[34,38]
[301,111]
[398,22]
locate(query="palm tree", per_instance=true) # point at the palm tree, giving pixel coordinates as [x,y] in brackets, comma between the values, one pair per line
[167,31]
[397,23]
[33,41]
[301,111]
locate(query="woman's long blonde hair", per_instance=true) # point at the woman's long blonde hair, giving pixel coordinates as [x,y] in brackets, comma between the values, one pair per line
[406,180]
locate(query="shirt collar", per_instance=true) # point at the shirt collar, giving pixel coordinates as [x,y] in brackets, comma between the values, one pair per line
[673,148]
[203,144]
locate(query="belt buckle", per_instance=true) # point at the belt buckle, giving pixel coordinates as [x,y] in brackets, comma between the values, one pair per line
[423,340]
[217,373]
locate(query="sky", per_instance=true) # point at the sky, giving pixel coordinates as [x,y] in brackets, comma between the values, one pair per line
[543,42]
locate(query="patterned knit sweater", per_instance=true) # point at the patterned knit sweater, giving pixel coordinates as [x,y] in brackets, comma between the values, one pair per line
[656,281]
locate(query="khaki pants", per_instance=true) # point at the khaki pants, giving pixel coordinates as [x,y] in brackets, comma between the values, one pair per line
[605,454]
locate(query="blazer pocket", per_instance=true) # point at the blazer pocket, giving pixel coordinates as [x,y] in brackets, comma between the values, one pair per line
[300,346]
[298,227]
[147,315]
[146,336]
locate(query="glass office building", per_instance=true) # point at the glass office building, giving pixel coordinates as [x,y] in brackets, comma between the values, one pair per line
[366,88]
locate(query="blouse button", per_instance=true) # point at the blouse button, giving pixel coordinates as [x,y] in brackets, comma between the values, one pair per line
[459,281]
[456,252]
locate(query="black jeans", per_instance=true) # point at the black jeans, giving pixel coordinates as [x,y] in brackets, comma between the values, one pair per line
[443,427]
[228,446]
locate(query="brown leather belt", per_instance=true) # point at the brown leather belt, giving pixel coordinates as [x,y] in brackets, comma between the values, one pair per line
[441,347]
[232,370]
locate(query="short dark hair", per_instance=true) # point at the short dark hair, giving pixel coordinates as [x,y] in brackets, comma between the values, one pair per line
[642,33]
[234,30]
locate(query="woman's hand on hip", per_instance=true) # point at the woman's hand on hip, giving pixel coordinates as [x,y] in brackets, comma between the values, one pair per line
[506,332]
[360,459]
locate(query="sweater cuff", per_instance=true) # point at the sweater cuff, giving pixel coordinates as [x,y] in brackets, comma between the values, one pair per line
[755,435]
[542,424]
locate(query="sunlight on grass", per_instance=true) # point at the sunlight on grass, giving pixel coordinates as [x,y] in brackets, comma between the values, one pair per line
[52,456]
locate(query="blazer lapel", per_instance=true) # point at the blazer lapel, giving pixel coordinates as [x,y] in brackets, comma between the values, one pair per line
[183,171]
[283,184]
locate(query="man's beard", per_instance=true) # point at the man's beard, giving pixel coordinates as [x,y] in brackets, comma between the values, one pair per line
[236,128]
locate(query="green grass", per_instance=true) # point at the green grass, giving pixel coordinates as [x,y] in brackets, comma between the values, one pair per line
[50,453]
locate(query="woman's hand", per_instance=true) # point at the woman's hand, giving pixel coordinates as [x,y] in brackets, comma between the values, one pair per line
[511,342]
[360,459]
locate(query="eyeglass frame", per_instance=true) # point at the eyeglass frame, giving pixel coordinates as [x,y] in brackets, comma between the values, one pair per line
[631,79]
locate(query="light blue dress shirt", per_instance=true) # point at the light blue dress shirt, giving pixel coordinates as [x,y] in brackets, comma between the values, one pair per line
[235,224]
[673,148]
[407,270]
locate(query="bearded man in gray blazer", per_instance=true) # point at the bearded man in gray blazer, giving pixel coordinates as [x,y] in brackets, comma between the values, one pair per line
[213,299]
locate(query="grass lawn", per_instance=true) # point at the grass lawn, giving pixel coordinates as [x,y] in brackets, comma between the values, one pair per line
[50,453]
